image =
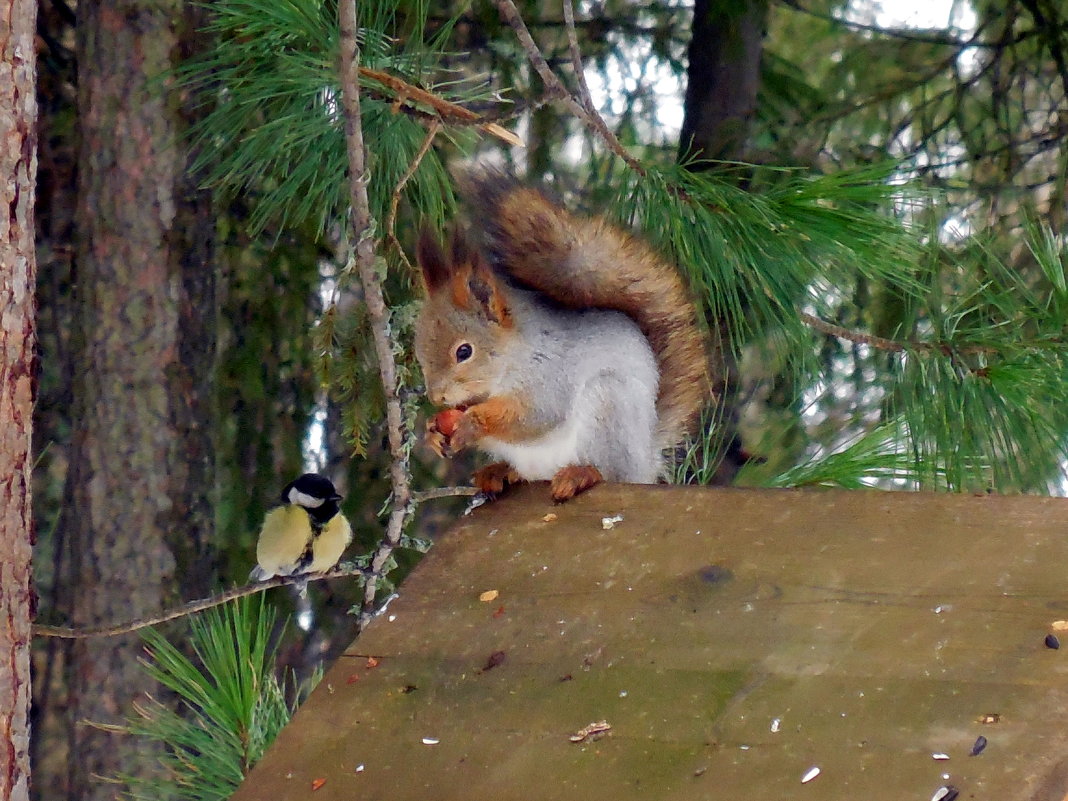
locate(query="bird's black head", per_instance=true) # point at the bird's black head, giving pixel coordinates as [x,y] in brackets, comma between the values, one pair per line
[315,494]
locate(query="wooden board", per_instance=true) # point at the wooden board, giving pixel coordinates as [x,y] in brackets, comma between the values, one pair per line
[732,639]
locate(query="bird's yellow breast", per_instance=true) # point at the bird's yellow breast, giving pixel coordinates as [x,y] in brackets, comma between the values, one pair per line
[284,538]
[330,544]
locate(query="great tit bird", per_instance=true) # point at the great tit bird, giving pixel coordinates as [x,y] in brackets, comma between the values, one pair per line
[306,534]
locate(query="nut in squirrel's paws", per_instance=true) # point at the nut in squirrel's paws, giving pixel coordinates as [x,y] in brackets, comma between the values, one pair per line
[446,421]
[442,433]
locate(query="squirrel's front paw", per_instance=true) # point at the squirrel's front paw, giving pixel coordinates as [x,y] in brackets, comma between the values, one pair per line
[437,441]
[451,431]
[466,433]
[439,430]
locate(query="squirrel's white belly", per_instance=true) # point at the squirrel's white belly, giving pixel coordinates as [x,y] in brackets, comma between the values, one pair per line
[539,459]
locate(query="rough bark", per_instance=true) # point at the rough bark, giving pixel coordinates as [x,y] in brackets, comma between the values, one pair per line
[190,527]
[18,165]
[723,78]
[140,470]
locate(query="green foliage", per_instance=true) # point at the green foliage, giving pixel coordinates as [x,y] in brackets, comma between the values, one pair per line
[269,139]
[272,136]
[266,382]
[975,354]
[966,395]
[987,402]
[273,131]
[697,460]
[879,457]
[972,375]
[232,704]
[755,257]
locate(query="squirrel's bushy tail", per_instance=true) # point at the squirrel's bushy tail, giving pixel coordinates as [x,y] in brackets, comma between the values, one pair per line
[586,262]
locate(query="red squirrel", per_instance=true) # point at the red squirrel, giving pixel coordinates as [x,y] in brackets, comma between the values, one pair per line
[564,347]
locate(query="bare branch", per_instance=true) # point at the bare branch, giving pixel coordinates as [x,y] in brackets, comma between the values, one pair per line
[556,88]
[890,345]
[199,605]
[443,492]
[394,201]
[576,58]
[190,608]
[445,110]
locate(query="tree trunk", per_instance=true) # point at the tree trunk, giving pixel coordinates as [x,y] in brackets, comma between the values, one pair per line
[18,166]
[723,77]
[190,528]
[138,511]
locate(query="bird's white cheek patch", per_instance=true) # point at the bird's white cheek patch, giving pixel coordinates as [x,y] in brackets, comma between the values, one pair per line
[307,501]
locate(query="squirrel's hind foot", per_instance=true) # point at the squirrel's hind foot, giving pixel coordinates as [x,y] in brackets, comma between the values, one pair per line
[571,480]
[493,478]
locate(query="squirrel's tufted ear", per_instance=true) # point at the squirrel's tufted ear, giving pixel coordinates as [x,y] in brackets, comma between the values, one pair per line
[471,283]
[433,262]
[461,250]
[485,291]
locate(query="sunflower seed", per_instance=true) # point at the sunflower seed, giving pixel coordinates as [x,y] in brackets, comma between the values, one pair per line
[945,793]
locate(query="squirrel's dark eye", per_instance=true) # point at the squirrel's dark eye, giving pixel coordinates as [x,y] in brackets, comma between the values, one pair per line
[463,352]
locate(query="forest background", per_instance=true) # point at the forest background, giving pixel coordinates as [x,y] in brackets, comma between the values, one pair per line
[871,213]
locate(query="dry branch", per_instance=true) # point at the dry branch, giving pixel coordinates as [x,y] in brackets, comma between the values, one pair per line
[446,111]
[394,201]
[889,345]
[199,605]
[555,87]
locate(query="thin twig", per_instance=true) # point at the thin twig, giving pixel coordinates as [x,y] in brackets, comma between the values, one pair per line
[857,337]
[510,14]
[900,33]
[199,605]
[432,130]
[444,109]
[890,345]
[111,630]
[584,96]
[443,492]
[377,311]
[586,99]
